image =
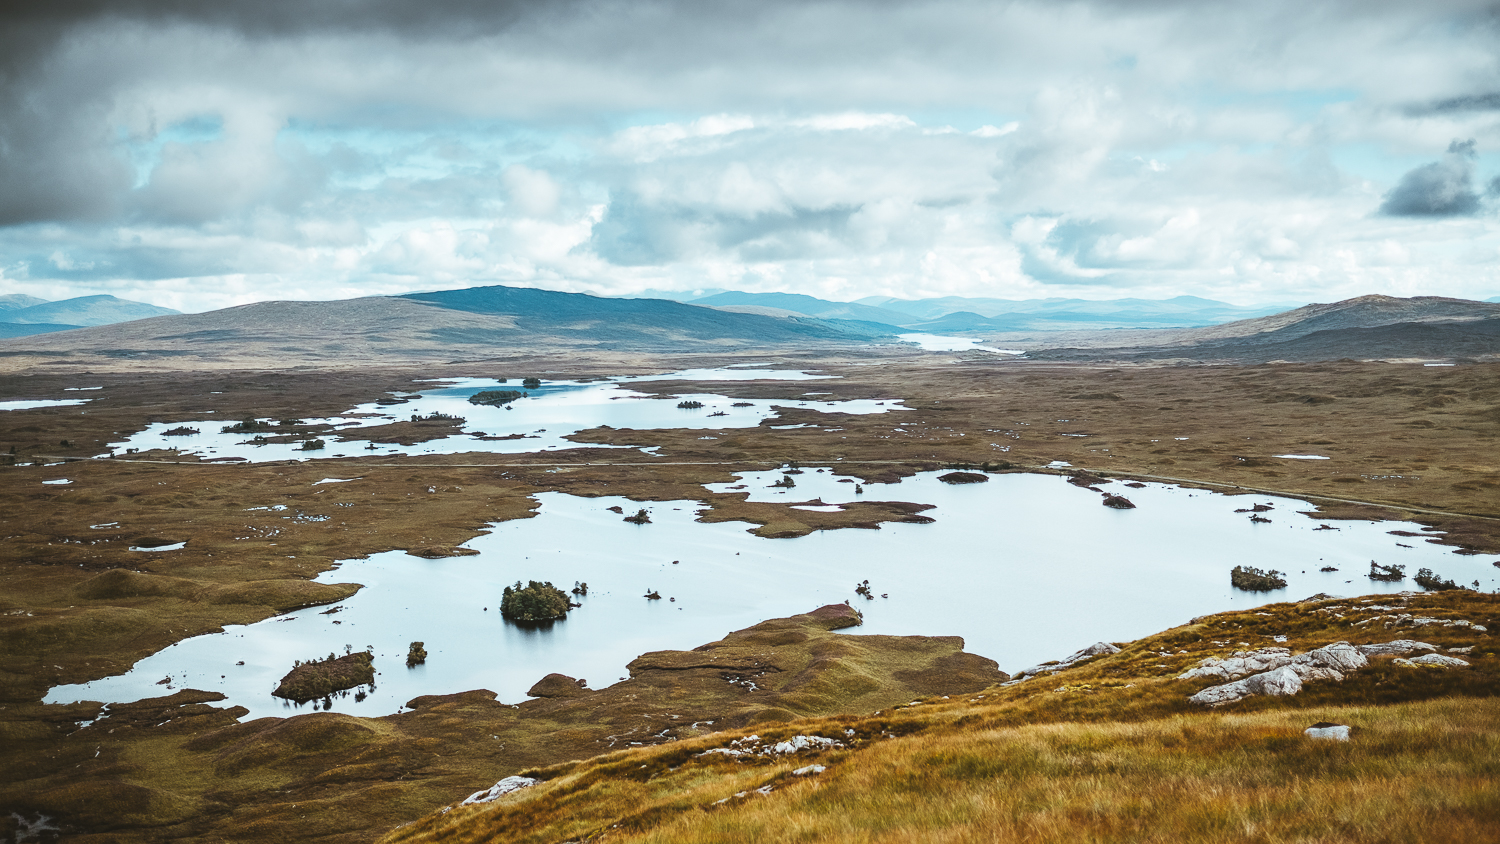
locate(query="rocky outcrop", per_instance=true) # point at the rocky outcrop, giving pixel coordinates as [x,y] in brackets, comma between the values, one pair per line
[1281,673]
[1275,672]
[1431,661]
[1096,649]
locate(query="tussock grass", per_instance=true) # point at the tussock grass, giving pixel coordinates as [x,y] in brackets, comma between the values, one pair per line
[1424,771]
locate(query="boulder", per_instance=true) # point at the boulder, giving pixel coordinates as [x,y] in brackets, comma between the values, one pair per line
[1327,730]
[499,789]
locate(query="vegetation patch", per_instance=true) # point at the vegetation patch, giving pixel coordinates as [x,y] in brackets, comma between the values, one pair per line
[1387,574]
[1433,583]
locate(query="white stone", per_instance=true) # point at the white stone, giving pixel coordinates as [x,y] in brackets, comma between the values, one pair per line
[1338,732]
[499,789]
[810,769]
[799,743]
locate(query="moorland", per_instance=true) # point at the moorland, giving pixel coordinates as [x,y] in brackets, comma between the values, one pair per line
[1096,752]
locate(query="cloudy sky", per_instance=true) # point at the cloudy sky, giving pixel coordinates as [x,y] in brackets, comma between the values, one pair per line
[198,155]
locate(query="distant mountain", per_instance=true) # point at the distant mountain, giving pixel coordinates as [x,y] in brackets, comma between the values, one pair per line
[1065,314]
[16,301]
[1493,299]
[633,321]
[1366,327]
[20,329]
[83,310]
[471,324]
[810,306]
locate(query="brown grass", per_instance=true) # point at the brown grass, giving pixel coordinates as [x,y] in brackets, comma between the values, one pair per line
[1414,772]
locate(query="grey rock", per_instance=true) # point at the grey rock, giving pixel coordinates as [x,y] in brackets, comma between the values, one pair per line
[1431,661]
[1399,647]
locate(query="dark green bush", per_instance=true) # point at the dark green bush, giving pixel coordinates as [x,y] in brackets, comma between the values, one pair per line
[535,602]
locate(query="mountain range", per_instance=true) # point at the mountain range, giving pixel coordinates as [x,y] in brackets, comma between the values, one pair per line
[472,323]
[956,313]
[22,315]
[487,322]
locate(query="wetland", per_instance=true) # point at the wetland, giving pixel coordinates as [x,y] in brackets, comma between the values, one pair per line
[178,560]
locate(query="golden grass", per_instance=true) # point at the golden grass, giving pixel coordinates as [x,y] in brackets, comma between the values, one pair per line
[1423,771]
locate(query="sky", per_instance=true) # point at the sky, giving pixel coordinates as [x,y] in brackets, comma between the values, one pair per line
[198,155]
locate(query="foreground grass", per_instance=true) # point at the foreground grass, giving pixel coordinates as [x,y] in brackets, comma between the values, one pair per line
[1426,771]
[1108,750]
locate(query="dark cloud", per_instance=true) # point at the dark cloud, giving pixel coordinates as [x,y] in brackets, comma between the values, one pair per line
[279,17]
[1458,105]
[1441,189]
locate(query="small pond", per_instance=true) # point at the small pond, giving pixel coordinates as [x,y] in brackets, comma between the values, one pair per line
[1025,567]
[944,343]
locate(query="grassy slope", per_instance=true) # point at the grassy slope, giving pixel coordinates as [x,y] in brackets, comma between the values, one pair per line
[1109,750]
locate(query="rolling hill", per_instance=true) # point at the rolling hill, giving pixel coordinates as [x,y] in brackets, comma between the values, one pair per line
[1365,327]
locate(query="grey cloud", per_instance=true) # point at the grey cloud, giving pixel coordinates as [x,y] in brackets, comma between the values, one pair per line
[1441,189]
[639,233]
[1456,105]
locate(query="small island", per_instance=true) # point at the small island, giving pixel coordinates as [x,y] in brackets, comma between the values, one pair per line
[321,678]
[495,397]
[534,603]
[1251,579]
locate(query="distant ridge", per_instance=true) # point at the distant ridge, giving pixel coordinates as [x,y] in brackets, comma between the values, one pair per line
[632,321]
[957,313]
[83,310]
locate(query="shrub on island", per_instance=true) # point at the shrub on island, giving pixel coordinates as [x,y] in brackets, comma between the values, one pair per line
[533,603]
[1254,580]
[494,397]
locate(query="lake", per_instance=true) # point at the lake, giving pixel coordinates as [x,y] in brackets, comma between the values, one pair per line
[1025,567]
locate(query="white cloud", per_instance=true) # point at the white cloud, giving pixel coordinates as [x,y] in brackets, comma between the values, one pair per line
[842,148]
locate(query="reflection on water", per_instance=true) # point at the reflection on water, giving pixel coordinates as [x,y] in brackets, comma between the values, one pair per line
[1025,567]
[540,422]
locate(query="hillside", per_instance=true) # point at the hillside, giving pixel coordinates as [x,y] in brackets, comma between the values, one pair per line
[806,306]
[468,324]
[1103,746]
[1366,327]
